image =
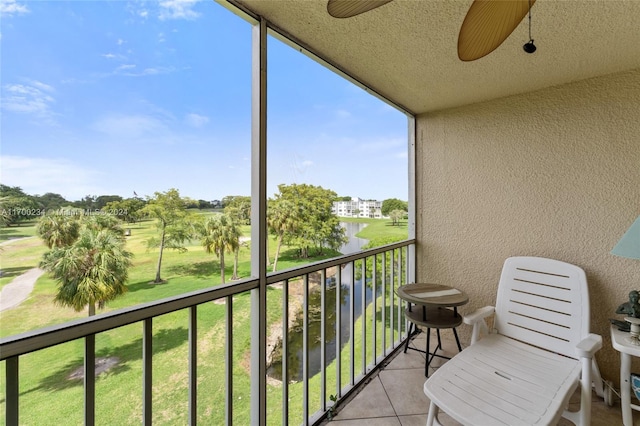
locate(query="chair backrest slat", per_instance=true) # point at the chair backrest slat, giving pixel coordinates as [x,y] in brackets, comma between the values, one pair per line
[543,302]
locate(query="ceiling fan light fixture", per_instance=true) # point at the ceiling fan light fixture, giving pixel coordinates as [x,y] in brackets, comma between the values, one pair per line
[529,47]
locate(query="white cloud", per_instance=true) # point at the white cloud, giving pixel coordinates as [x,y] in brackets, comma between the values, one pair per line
[124,67]
[129,70]
[155,70]
[196,120]
[33,97]
[132,127]
[178,9]
[42,175]
[12,7]
[114,56]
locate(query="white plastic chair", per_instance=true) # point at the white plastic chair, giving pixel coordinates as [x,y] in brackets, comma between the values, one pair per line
[525,369]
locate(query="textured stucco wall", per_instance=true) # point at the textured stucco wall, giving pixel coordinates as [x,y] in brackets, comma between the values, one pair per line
[553,173]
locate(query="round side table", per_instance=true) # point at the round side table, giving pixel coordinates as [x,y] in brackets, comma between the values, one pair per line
[436,306]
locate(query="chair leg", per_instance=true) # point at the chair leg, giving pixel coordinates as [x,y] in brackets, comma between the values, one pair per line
[433,414]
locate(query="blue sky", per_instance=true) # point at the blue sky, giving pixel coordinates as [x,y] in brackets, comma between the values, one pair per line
[112,97]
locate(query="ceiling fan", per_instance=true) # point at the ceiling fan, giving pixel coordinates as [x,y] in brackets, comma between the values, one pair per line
[488,22]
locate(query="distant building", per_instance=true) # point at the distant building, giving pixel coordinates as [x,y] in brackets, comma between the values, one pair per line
[358,208]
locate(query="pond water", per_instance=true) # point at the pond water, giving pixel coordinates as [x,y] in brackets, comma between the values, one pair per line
[295,360]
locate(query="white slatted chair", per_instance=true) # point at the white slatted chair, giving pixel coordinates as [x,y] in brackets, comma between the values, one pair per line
[525,370]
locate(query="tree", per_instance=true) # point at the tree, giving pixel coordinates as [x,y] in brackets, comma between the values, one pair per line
[5,217]
[51,201]
[58,229]
[103,200]
[172,222]
[396,216]
[282,218]
[203,204]
[102,221]
[220,234]
[238,215]
[239,206]
[92,270]
[128,210]
[17,206]
[315,226]
[391,204]
[88,202]
[11,191]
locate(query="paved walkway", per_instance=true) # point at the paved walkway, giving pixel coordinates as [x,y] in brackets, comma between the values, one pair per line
[19,289]
[13,240]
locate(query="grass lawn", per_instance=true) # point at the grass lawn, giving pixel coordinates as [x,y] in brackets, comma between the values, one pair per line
[49,393]
[21,230]
[380,231]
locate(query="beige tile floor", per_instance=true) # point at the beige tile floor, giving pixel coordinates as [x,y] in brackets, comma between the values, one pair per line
[394,396]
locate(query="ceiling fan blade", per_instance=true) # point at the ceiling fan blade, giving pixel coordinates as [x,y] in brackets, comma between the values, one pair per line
[349,8]
[488,23]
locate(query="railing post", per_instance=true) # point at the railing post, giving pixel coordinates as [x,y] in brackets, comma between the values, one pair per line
[323,372]
[352,322]
[228,364]
[285,352]
[305,350]
[392,302]
[363,314]
[12,391]
[193,365]
[374,304]
[147,372]
[89,380]
[338,331]
[384,304]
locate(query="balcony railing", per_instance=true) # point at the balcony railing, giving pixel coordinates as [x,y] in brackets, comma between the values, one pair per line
[331,323]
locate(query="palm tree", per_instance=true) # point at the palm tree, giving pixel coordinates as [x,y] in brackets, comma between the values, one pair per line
[172,222]
[92,270]
[219,234]
[58,230]
[236,255]
[281,218]
[99,222]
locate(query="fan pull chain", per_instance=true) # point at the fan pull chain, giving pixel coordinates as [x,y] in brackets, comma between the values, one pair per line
[529,47]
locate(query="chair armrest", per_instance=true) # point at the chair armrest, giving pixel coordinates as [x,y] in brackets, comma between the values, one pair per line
[476,319]
[589,346]
[478,315]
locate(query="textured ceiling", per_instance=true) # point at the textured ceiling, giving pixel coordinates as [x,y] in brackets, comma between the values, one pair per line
[407,49]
